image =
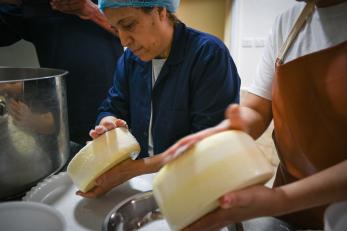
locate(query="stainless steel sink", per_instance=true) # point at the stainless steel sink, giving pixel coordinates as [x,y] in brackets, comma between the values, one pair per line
[133,213]
[139,212]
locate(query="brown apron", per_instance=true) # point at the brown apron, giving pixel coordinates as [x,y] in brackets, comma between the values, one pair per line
[309,102]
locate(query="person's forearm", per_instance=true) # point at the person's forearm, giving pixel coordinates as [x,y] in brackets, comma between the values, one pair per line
[322,188]
[255,123]
[15,2]
[256,113]
[150,165]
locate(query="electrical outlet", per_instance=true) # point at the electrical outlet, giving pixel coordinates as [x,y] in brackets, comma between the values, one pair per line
[259,42]
[247,42]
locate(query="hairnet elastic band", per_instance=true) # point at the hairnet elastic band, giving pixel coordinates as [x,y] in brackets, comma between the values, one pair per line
[170,5]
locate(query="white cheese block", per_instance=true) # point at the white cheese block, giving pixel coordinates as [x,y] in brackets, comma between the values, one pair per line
[101,155]
[189,187]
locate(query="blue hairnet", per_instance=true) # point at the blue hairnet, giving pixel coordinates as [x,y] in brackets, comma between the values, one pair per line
[170,5]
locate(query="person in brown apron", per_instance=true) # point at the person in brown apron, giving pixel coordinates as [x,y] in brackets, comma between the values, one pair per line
[309,109]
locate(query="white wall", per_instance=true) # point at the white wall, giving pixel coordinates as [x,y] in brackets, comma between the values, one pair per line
[20,54]
[251,22]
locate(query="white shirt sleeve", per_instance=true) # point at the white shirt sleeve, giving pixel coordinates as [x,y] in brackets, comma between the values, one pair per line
[262,84]
[322,30]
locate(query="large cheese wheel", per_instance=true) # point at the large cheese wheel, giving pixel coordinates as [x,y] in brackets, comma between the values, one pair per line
[100,155]
[189,187]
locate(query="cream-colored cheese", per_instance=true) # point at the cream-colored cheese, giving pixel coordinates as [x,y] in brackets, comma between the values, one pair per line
[189,187]
[101,155]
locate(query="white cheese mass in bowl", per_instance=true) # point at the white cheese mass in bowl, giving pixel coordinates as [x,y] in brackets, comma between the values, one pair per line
[189,187]
[100,155]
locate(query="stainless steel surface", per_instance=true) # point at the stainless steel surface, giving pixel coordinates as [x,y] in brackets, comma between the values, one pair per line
[266,224]
[33,124]
[135,212]
[2,107]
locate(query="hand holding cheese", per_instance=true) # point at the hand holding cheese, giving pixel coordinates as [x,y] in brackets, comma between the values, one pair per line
[189,187]
[100,155]
[107,123]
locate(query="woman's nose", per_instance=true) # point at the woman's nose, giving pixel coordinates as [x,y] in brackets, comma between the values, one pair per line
[124,38]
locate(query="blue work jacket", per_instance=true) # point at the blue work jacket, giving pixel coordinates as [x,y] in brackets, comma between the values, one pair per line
[196,84]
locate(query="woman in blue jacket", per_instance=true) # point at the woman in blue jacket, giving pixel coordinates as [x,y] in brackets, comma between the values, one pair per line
[171,81]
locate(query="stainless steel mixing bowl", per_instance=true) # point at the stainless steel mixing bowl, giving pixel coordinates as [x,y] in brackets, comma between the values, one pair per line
[33,127]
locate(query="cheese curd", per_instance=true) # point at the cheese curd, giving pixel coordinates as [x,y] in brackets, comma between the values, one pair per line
[100,155]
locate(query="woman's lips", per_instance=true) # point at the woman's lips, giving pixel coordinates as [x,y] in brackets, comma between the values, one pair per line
[136,51]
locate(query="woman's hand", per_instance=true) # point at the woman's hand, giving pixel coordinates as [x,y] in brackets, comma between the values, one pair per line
[238,206]
[123,172]
[85,9]
[115,176]
[189,141]
[106,124]
[119,173]
[236,118]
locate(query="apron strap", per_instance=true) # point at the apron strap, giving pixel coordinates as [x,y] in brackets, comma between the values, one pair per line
[305,14]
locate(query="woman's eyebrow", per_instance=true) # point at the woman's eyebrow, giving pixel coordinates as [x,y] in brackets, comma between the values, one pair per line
[123,20]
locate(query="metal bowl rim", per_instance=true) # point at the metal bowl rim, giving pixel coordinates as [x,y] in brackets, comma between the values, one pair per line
[62,73]
[146,194]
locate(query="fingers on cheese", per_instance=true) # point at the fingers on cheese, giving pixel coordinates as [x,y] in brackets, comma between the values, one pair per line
[189,187]
[101,155]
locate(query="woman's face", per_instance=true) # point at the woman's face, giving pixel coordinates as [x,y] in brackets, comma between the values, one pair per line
[147,35]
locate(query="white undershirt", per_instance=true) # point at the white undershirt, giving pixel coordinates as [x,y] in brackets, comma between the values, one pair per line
[157,65]
[327,27]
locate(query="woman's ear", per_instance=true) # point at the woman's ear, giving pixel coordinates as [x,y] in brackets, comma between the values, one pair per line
[162,11]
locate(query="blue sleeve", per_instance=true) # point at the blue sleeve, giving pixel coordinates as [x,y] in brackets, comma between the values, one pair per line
[117,100]
[216,84]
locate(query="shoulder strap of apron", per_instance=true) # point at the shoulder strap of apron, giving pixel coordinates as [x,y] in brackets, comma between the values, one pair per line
[300,22]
